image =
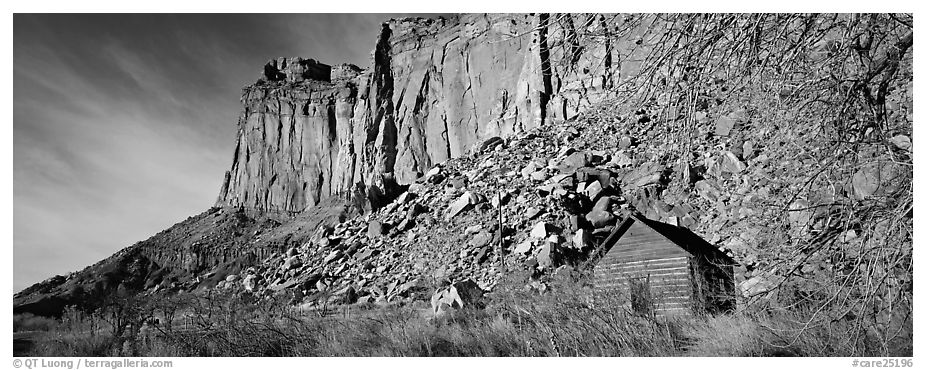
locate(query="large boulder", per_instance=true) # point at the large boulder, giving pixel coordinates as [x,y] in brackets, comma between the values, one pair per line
[574,162]
[375,229]
[723,126]
[875,179]
[539,231]
[708,189]
[800,215]
[620,159]
[592,190]
[902,142]
[580,240]
[332,256]
[456,296]
[481,239]
[730,163]
[544,255]
[464,202]
[601,215]
[523,247]
[291,263]
[490,143]
[250,282]
[646,174]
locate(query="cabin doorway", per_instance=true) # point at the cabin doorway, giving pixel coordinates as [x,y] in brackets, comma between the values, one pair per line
[641,298]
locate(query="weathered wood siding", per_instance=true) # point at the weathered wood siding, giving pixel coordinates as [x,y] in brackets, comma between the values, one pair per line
[643,253]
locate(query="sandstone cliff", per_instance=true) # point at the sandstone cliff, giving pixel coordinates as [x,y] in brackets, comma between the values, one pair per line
[435,88]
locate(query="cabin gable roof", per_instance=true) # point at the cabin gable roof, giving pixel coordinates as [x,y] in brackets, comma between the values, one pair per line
[687,242]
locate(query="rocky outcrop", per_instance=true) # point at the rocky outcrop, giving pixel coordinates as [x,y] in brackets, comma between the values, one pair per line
[436,88]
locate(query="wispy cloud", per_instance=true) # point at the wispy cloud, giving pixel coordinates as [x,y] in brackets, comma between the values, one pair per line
[124,124]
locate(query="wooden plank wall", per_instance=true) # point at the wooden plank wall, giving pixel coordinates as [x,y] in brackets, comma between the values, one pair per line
[643,253]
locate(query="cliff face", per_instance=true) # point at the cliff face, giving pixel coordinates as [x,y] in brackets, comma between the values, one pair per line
[434,89]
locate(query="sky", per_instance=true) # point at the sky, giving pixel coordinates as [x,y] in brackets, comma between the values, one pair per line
[123,125]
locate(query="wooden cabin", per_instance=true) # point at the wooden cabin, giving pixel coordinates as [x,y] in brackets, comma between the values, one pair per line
[659,269]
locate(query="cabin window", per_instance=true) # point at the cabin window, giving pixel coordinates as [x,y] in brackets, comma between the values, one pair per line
[641,299]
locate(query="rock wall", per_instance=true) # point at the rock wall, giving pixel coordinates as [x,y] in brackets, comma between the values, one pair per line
[435,88]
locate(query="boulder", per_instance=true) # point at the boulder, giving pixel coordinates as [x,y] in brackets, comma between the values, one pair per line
[436,179]
[332,256]
[456,296]
[524,247]
[586,173]
[580,240]
[545,190]
[731,163]
[353,248]
[687,222]
[607,179]
[458,182]
[416,188]
[292,263]
[599,218]
[490,143]
[544,256]
[556,179]
[539,231]
[848,236]
[464,202]
[573,162]
[406,197]
[414,210]
[346,295]
[601,215]
[646,174]
[538,175]
[592,190]
[480,239]
[749,150]
[367,253]
[529,169]
[878,178]
[532,212]
[708,189]
[723,126]
[624,143]
[432,172]
[375,229]
[482,254]
[620,159]
[500,199]
[902,142]
[574,222]
[249,282]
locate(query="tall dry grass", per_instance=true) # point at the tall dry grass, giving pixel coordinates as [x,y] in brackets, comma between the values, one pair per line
[515,321]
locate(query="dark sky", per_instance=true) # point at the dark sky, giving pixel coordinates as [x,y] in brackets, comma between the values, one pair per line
[124,124]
